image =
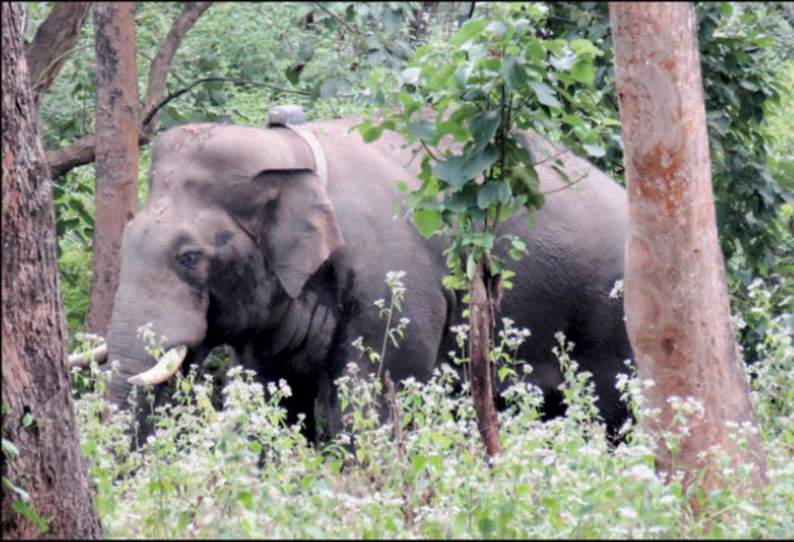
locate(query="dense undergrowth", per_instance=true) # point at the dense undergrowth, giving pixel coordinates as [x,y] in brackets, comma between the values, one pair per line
[239,471]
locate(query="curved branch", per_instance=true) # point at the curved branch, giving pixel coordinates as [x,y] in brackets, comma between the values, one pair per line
[177,93]
[570,184]
[82,151]
[339,20]
[161,65]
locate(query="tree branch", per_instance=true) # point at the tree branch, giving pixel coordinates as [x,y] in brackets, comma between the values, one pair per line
[82,151]
[338,19]
[177,93]
[161,65]
[569,184]
[59,32]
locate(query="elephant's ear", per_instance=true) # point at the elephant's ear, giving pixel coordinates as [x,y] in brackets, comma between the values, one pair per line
[302,232]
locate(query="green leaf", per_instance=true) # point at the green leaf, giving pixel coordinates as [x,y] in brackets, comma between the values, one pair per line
[246,499]
[497,28]
[595,150]
[402,186]
[27,420]
[28,512]
[585,48]
[572,120]
[451,171]
[486,526]
[334,86]
[410,76]
[426,221]
[459,202]
[492,191]
[471,266]
[293,72]
[418,463]
[483,127]
[477,163]
[514,74]
[545,94]
[306,51]
[371,133]
[584,72]
[423,129]
[462,76]
[566,62]
[10,450]
[469,30]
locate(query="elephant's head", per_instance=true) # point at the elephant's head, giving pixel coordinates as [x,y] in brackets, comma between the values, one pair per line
[236,223]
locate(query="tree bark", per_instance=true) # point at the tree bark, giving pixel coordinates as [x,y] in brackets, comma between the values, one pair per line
[55,38]
[480,325]
[82,151]
[117,122]
[676,301]
[50,465]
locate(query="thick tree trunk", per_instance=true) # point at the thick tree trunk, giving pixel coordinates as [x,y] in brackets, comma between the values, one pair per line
[480,325]
[50,465]
[117,123]
[54,41]
[676,300]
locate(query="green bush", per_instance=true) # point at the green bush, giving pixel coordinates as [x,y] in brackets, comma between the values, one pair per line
[241,471]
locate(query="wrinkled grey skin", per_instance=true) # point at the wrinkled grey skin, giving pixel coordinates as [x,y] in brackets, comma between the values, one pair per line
[286,271]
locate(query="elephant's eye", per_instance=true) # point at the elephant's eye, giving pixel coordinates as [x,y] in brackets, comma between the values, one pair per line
[189,259]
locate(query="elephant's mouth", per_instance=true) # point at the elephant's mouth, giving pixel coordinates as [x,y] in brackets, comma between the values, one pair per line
[169,364]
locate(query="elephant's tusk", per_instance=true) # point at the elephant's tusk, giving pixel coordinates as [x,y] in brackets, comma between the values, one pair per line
[165,368]
[82,360]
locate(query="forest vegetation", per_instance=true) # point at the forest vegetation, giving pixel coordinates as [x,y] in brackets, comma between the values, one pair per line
[223,461]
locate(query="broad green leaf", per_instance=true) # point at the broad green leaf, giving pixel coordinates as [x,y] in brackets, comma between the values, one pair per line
[572,120]
[462,76]
[459,202]
[423,129]
[545,94]
[334,86]
[522,140]
[565,62]
[426,221]
[492,191]
[497,28]
[468,31]
[514,74]
[371,133]
[483,127]
[477,163]
[451,171]
[584,72]
[585,48]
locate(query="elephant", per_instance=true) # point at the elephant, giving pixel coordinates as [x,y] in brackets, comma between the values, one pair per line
[249,239]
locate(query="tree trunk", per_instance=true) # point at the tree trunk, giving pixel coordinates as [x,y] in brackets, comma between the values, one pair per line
[50,465]
[677,311]
[480,325]
[117,123]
